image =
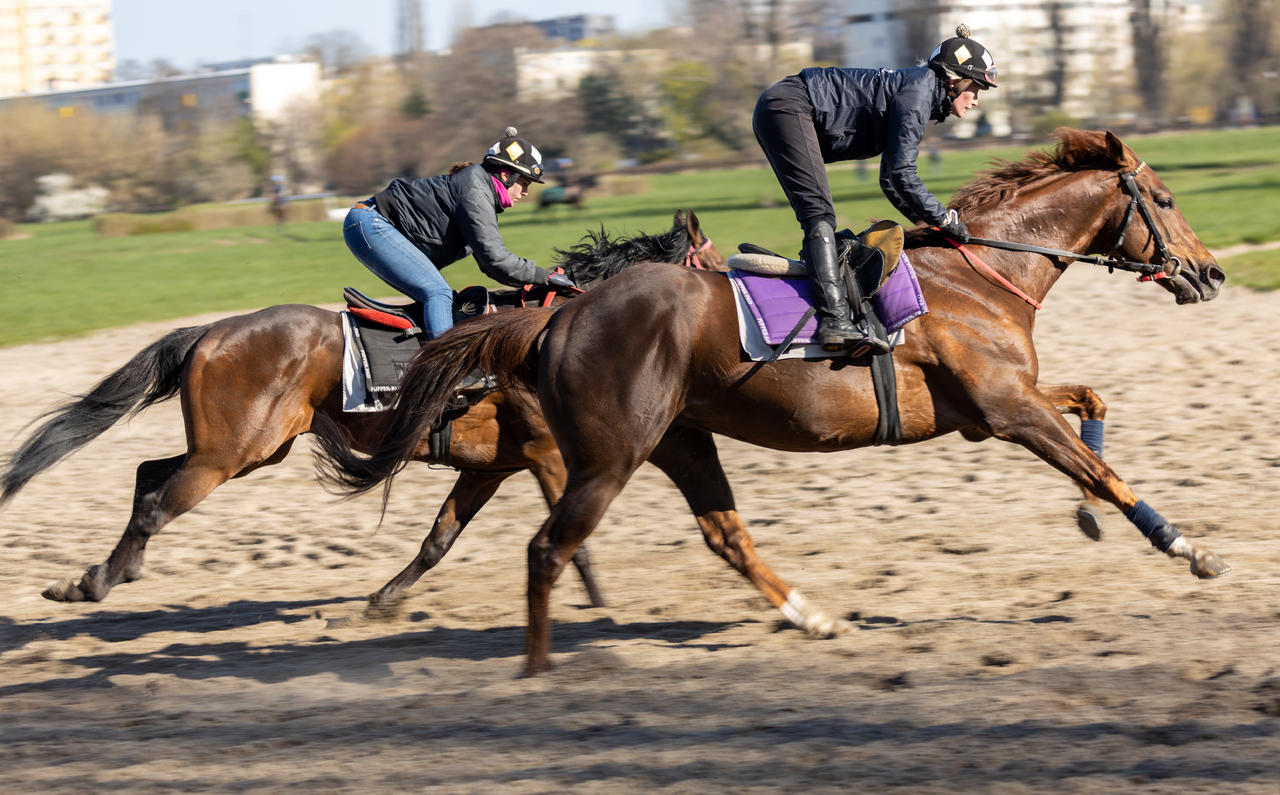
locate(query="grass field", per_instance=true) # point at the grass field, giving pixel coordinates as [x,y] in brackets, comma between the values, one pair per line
[63,279]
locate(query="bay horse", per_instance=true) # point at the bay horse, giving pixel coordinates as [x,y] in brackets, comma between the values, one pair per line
[250,384]
[648,366]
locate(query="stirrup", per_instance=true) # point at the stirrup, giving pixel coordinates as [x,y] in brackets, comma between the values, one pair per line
[476,382]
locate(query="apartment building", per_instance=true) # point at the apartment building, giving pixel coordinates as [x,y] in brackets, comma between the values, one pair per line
[52,45]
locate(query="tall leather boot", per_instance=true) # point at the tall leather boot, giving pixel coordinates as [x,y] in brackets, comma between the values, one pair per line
[835,331]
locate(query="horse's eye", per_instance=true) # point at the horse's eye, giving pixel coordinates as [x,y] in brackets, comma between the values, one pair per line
[1165,202]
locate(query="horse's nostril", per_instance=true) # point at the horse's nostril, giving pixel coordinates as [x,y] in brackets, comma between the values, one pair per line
[1214,275]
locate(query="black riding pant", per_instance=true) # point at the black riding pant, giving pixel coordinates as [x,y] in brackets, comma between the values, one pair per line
[783,124]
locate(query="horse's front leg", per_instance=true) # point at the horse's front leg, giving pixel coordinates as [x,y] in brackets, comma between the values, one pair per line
[689,458]
[1033,422]
[1083,402]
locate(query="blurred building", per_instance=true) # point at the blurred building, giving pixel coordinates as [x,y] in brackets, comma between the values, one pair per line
[47,45]
[570,29]
[555,74]
[1072,57]
[577,27]
[264,90]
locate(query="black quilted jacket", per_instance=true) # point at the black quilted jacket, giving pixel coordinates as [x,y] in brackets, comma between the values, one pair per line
[861,113]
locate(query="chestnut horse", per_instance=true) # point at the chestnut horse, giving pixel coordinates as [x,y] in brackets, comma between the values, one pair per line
[648,366]
[250,384]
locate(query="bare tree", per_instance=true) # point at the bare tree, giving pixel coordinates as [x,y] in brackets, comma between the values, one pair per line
[338,51]
[1252,51]
[1148,21]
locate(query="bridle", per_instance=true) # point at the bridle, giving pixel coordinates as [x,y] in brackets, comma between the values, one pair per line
[691,256]
[1162,249]
[1148,271]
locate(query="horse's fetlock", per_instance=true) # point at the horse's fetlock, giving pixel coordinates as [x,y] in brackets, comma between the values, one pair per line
[1181,548]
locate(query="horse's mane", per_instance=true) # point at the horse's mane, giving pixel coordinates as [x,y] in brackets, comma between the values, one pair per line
[1077,150]
[597,257]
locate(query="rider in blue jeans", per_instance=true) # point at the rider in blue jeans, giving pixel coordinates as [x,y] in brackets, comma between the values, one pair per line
[411,229]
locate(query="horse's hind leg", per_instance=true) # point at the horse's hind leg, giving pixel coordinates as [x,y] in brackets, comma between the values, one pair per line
[572,519]
[549,472]
[689,458]
[1083,402]
[165,489]
[469,494]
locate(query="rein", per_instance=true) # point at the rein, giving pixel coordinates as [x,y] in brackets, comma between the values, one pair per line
[1148,271]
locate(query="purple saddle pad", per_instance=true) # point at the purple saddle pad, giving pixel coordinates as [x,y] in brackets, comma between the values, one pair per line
[778,302]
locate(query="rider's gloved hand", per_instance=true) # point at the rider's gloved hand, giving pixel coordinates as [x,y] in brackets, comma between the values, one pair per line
[561,282]
[954,228]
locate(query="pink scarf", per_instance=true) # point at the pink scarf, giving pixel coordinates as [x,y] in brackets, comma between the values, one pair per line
[504,198]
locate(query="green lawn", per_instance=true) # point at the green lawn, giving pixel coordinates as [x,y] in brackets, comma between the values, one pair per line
[63,280]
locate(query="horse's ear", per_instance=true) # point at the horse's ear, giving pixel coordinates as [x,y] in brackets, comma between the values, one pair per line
[677,220]
[1116,150]
[694,226]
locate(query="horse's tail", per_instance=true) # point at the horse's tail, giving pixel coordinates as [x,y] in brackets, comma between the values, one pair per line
[501,345]
[153,375]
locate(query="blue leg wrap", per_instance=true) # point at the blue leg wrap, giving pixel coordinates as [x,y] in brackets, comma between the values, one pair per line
[1091,435]
[1155,527]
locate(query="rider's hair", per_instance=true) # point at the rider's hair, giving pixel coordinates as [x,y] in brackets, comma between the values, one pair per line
[461,164]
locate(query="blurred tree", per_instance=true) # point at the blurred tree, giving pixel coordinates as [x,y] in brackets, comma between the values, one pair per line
[686,90]
[27,150]
[609,110]
[1254,38]
[415,104]
[1149,21]
[338,52]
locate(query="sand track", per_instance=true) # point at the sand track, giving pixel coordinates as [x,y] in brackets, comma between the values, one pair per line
[996,647]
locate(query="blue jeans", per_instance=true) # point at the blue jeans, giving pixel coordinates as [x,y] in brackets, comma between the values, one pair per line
[399,263]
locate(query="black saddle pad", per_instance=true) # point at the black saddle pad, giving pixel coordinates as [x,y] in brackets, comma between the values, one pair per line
[384,352]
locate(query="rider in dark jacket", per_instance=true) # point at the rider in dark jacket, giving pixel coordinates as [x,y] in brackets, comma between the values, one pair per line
[411,229]
[828,115]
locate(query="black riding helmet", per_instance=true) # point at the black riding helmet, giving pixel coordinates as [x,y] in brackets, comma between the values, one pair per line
[962,57]
[514,154]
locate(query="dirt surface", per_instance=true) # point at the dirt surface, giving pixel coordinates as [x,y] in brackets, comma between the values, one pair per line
[996,648]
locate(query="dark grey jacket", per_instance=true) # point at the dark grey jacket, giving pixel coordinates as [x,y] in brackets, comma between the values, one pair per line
[861,113]
[453,215]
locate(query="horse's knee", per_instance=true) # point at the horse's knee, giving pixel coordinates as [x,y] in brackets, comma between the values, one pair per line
[1092,407]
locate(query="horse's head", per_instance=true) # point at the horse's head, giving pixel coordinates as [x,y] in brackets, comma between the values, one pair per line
[1147,226]
[702,252]
[597,256]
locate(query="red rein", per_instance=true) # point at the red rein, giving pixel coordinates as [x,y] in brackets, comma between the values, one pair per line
[1008,285]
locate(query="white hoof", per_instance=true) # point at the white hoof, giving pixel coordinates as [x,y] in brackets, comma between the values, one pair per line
[812,620]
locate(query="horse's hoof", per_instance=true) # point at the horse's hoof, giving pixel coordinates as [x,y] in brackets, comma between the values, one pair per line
[822,628]
[533,668]
[1089,520]
[343,622]
[384,611]
[63,591]
[1208,565]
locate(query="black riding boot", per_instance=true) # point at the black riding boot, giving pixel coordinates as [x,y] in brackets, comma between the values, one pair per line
[835,331]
